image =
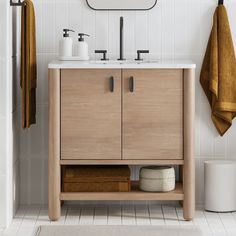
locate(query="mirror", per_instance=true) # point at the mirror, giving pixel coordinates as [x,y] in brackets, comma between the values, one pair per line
[121,4]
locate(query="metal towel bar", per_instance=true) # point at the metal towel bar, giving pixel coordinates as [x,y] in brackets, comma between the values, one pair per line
[19,3]
[221,2]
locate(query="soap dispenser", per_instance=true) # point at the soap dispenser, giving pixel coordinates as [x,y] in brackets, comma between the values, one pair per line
[66,44]
[81,48]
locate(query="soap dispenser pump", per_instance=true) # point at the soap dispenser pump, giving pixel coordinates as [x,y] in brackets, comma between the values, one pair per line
[81,48]
[66,44]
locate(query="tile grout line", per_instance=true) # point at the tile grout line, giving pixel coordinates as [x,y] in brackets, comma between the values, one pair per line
[177,215]
[122,219]
[234,217]
[38,215]
[22,218]
[148,206]
[225,229]
[80,212]
[209,226]
[94,209]
[135,214]
[163,214]
[66,215]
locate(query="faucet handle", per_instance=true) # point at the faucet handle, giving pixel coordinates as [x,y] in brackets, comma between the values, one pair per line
[104,52]
[139,54]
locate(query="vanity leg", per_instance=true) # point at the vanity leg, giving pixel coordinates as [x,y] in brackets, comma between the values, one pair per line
[54,171]
[189,166]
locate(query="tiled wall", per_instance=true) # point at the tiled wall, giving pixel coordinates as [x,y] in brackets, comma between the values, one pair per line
[173,29]
[3,119]
[16,109]
[9,131]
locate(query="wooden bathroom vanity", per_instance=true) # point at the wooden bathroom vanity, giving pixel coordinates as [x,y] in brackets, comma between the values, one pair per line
[122,114]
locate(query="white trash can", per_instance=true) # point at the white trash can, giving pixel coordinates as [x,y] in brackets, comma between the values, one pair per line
[220,185]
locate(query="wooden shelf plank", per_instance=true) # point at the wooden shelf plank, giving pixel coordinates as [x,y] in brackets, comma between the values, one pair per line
[122,162]
[134,194]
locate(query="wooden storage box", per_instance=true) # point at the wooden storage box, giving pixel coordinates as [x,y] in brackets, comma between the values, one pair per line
[96,179]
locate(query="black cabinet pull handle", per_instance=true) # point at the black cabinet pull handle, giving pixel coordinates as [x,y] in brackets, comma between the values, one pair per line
[131,84]
[112,85]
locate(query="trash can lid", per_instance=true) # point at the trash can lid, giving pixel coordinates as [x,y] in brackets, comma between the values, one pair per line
[220,162]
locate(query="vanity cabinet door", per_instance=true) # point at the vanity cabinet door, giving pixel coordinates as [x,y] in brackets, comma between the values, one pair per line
[90,114]
[152,114]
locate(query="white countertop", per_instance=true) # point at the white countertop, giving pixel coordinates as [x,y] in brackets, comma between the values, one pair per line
[129,64]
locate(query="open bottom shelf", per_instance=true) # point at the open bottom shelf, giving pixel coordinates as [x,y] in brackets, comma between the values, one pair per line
[134,194]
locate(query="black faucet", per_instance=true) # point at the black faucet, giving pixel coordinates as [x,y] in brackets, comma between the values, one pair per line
[121,39]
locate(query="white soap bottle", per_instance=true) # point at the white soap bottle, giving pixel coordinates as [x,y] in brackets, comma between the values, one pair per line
[81,48]
[66,45]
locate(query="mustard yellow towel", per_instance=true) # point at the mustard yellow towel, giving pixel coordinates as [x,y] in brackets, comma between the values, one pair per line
[28,64]
[218,74]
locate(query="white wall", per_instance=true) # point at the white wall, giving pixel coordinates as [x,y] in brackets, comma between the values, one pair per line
[173,29]
[14,76]
[9,157]
[3,116]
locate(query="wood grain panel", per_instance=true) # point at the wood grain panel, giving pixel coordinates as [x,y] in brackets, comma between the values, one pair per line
[134,194]
[90,114]
[122,162]
[189,161]
[153,114]
[54,173]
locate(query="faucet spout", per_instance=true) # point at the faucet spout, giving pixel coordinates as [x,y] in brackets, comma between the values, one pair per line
[121,39]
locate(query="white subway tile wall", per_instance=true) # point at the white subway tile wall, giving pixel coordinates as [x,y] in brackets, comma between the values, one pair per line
[3,115]
[14,37]
[9,121]
[172,29]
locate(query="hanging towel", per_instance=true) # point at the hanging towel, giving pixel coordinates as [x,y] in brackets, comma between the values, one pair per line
[28,64]
[218,74]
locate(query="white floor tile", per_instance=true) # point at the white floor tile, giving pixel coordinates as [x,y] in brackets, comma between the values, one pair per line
[100,215]
[142,215]
[114,215]
[206,230]
[156,215]
[73,216]
[128,215]
[170,215]
[214,223]
[43,218]
[200,218]
[28,219]
[18,219]
[87,215]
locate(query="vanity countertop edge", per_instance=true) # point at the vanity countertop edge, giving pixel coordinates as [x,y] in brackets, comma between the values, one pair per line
[160,64]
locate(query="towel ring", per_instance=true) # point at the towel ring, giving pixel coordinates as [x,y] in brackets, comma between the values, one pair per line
[19,3]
